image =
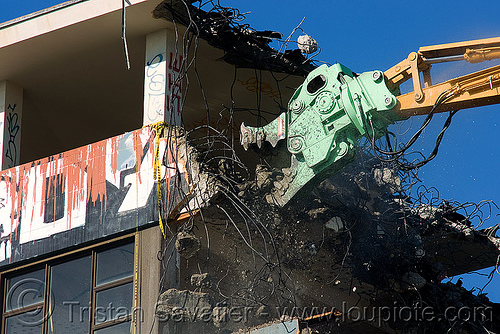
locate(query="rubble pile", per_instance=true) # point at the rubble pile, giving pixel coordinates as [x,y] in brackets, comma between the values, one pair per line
[355,240]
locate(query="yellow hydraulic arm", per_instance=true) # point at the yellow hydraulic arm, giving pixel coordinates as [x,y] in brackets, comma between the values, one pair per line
[473,90]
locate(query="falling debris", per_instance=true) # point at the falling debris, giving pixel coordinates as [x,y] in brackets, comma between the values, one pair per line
[307,44]
[335,224]
[201,280]
[221,28]
[187,244]
[220,316]
[413,280]
[185,305]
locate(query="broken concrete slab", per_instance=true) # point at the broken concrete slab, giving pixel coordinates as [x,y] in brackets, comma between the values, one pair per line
[187,244]
[184,305]
[201,280]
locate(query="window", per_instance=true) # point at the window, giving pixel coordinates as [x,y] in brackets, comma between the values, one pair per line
[91,292]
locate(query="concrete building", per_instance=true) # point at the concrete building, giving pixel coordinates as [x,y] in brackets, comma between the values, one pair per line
[79,208]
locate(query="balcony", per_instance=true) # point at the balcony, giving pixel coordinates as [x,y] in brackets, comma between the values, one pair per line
[85,194]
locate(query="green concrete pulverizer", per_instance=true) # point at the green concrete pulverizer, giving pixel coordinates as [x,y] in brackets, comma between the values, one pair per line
[326,116]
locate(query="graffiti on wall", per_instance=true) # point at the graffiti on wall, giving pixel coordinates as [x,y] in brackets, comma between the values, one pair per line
[253,84]
[163,88]
[174,87]
[12,128]
[94,191]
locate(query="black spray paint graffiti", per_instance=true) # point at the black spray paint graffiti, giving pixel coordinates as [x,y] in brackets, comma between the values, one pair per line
[12,119]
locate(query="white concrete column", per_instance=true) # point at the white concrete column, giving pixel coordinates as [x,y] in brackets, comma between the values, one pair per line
[162,79]
[11,107]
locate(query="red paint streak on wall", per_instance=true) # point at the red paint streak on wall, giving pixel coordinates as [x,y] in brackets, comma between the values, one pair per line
[11,175]
[23,179]
[96,174]
[114,154]
[138,155]
[17,185]
[73,167]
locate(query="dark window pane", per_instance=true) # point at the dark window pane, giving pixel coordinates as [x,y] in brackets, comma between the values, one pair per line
[24,323]
[122,328]
[70,288]
[114,303]
[114,264]
[54,198]
[25,290]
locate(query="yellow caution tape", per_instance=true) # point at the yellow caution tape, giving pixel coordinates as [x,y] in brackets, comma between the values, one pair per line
[158,127]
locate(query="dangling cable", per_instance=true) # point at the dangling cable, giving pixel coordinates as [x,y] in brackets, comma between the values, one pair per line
[394,154]
[124,36]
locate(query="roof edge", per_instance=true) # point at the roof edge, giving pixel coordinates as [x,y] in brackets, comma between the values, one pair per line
[39,13]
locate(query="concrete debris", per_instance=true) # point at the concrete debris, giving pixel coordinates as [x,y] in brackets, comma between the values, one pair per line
[245,274]
[425,211]
[356,238]
[244,49]
[220,315]
[201,280]
[349,237]
[460,227]
[285,324]
[495,241]
[313,249]
[263,178]
[184,305]
[387,177]
[315,212]
[307,44]
[413,280]
[335,224]
[262,311]
[225,167]
[187,244]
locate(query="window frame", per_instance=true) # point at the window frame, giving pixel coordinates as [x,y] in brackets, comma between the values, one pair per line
[47,263]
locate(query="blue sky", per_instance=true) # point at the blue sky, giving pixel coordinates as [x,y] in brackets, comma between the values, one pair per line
[369,35]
